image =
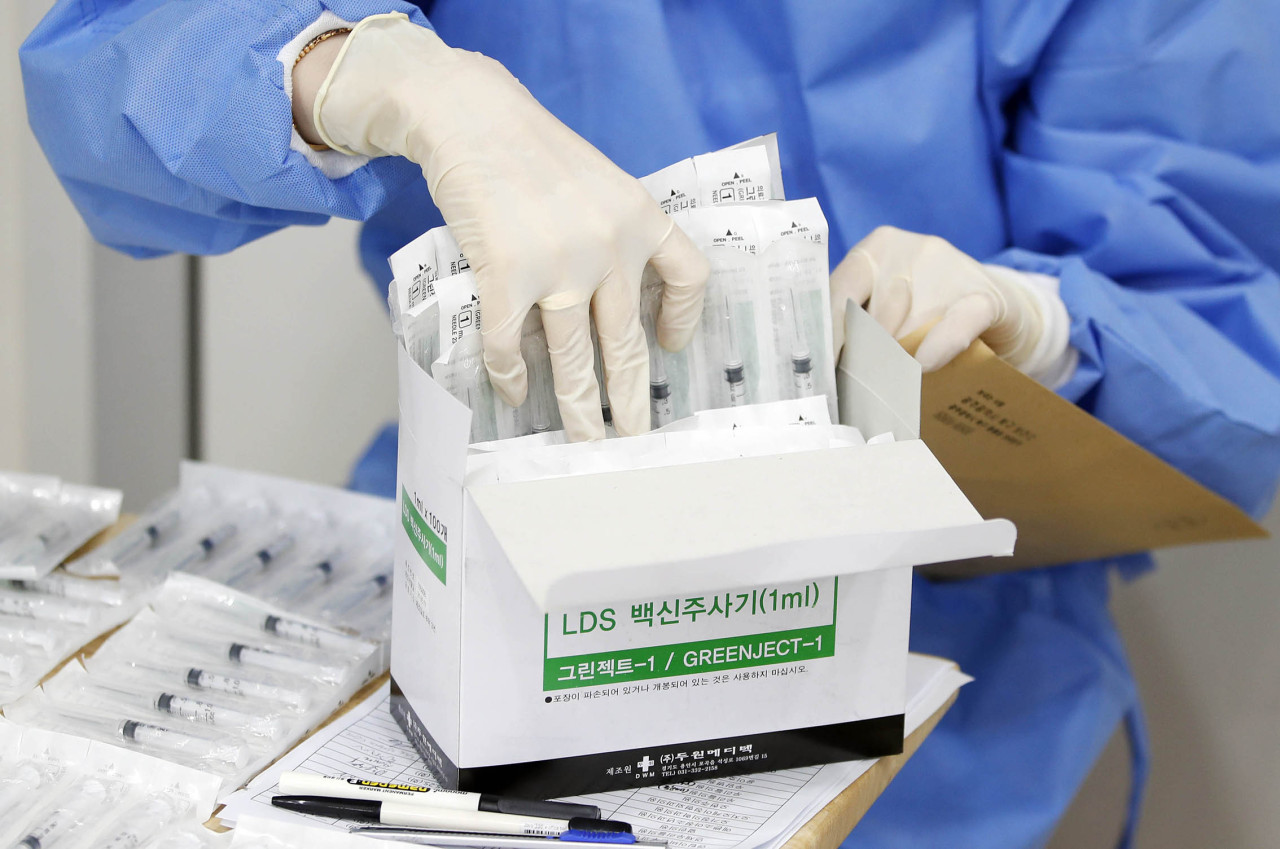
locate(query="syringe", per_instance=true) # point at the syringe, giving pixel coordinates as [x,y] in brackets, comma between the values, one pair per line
[215,682]
[368,590]
[277,661]
[224,750]
[47,608]
[26,633]
[142,821]
[733,370]
[77,806]
[205,547]
[28,776]
[254,564]
[144,698]
[660,410]
[538,397]
[54,533]
[605,410]
[243,654]
[314,576]
[91,590]
[294,630]
[801,364]
[142,537]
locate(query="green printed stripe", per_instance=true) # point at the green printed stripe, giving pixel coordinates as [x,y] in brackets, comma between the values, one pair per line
[428,544]
[701,656]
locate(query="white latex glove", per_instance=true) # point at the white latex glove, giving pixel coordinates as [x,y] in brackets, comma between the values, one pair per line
[542,216]
[907,280]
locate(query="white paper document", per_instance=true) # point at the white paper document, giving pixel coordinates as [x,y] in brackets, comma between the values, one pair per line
[758,811]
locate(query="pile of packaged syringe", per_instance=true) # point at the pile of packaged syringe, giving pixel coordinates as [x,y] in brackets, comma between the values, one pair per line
[43,616]
[765,333]
[210,678]
[312,550]
[269,607]
[58,791]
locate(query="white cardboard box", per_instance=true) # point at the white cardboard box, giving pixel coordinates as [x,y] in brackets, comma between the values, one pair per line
[576,634]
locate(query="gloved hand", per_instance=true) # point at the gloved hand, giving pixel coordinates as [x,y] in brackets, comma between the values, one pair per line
[907,280]
[542,216]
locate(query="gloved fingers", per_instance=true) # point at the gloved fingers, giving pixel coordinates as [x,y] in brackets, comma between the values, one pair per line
[891,304]
[851,281]
[625,355]
[502,357]
[962,323]
[568,332]
[684,271]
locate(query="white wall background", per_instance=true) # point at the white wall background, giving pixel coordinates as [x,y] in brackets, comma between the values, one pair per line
[298,360]
[297,372]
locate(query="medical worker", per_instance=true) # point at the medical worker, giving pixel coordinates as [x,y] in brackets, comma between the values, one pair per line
[1093,186]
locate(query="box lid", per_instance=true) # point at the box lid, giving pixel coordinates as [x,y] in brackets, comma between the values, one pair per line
[708,526]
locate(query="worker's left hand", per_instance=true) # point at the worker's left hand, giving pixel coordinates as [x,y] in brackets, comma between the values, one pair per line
[908,280]
[542,216]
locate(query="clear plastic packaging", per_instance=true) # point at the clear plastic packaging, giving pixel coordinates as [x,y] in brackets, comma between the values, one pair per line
[435,310]
[142,697]
[41,538]
[160,525]
[465,377]
[74,809]
[63,791]
[39,629]
[45,608]
[27,779]
[210,542]
[21,633]
[147,818]
[765,333]
[211,681]
[212,677]
[254,832]
[61,585]
[22,497]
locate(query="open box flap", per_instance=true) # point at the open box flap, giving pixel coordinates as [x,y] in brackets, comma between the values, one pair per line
[707,526]
[877,382]
[427,405]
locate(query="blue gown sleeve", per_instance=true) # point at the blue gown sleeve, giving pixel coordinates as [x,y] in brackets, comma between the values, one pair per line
[1141,165]
[169,124]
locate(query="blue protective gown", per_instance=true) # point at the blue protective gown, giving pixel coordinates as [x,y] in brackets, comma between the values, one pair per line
[1130,147]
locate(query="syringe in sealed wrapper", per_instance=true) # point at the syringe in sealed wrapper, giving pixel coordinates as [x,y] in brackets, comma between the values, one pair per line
[606,411]
[217,681]
[77,806]
[20,784]
[139,697]
[733,366]
[222,749]
[661,411]
[161,523]
[801,363]
[255,563]
[344,601]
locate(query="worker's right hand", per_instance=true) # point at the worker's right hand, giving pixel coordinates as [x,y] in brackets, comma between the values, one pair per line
[542,216]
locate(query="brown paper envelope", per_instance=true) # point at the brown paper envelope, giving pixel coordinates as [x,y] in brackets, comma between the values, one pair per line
[1076,489]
